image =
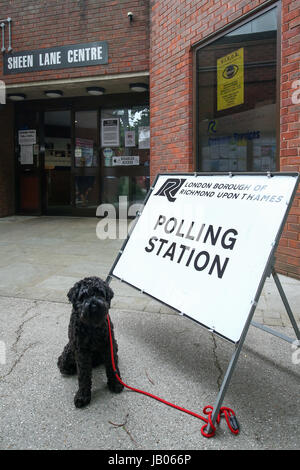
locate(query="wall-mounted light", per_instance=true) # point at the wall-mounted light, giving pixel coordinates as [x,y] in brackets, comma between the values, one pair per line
[139,87]
[16,97]
[2,25]
[53,93]
[95,90]
[130,16]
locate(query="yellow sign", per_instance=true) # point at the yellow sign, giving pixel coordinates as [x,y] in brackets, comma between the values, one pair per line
[230,80]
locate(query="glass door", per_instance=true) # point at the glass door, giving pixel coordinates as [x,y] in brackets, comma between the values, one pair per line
[125,151]
[85,171]
[57,162]
[28,170]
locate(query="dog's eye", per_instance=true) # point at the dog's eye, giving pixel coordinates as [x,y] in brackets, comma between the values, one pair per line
[82,294]
[100,293]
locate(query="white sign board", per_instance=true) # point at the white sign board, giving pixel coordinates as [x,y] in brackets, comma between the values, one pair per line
[202,244]
[126,160]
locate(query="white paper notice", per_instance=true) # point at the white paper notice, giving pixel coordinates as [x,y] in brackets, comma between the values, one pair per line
[27,137]
[129,138]
[144,137]
[26,154]
[110,132]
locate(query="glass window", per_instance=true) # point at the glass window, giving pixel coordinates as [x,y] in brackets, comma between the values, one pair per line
[236,98]
[57,165]
[125,153]
[86,139]
[125,133]
[87,188]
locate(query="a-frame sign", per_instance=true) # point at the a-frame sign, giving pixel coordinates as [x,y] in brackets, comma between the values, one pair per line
[204,245]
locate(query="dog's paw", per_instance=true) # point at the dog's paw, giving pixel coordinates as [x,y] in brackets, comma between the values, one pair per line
[81,400]
[66,369]
[115,386]
[69,371]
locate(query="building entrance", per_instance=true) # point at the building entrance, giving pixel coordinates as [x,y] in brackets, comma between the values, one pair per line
[81,157]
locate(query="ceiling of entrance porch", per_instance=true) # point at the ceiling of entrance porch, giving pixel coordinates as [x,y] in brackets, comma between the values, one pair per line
[113,84]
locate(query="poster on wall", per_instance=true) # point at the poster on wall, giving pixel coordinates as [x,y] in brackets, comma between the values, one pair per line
[204,246]
[27,137]
[26,154]
[129,138]
[230,80]
[84,152]
[110,135]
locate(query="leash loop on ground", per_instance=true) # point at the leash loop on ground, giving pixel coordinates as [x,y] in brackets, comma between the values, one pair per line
[207,410]
[229,415]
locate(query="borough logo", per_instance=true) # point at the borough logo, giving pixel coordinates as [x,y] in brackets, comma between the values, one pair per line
[170,188]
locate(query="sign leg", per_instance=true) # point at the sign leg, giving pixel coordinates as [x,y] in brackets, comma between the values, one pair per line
[225,384]
[286,304]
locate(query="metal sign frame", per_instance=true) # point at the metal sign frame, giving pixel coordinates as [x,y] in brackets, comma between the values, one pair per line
[268,271]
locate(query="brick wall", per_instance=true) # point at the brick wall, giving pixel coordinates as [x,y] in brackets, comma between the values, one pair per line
[7,188]
[46,23]
[176,26]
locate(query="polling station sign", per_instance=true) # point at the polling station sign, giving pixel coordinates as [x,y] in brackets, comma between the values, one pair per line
[203,242]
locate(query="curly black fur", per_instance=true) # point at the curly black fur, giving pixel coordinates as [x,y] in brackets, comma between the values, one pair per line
[88,334]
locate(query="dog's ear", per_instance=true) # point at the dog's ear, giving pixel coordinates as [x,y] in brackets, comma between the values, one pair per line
[73,292]
[109,293]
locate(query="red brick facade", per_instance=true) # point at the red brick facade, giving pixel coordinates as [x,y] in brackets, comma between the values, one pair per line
[288,253]
[175,27]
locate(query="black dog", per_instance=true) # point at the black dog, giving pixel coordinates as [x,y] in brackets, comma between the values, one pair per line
[88,333]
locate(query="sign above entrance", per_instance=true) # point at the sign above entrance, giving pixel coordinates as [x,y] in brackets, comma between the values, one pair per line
[61,57]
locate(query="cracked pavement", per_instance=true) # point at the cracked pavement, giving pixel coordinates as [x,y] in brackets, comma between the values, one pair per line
[159,351]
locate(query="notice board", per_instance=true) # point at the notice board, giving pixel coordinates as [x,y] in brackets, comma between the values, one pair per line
[203,243]
[230,80]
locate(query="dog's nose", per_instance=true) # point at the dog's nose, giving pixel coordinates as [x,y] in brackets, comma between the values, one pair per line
[93,305]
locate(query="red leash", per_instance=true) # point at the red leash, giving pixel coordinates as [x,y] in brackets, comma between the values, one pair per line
[207,410]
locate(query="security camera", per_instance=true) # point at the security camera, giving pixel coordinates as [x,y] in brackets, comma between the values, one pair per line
[130,16]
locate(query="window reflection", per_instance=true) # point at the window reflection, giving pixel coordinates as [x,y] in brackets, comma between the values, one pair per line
[86,139]
[125,153]
[87,188]
[125,133]
[134,187]
[236,79]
